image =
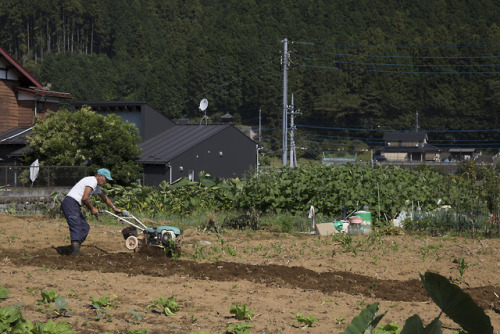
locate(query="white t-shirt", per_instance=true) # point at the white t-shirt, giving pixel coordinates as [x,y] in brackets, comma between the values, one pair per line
[77,191]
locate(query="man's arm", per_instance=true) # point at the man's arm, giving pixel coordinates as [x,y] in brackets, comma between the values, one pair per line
[86,200]
[108,202]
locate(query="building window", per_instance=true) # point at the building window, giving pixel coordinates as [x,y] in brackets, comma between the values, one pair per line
[191,175]
[38,107]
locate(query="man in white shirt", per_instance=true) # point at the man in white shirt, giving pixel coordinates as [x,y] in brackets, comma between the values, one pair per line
[78,195]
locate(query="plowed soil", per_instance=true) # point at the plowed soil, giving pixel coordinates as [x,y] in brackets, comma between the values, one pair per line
[276,275]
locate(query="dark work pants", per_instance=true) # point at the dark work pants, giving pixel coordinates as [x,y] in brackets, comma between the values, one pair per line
[78,226]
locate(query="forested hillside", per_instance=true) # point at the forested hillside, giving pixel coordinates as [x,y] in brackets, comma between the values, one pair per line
[357,67]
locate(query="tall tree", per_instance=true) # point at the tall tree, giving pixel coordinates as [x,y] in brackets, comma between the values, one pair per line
[85,138]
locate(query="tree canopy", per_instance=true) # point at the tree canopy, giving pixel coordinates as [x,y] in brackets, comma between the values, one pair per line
[355,64]
[85,138]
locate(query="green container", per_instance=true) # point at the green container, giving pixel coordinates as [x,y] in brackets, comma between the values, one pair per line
[338,225]
[367,216]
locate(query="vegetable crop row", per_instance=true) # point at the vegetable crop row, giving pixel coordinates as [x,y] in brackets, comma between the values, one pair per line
[331,190]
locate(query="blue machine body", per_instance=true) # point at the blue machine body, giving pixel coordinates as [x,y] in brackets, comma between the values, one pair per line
[159,229]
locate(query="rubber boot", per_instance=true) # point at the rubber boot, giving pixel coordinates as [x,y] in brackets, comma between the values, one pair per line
[76,248]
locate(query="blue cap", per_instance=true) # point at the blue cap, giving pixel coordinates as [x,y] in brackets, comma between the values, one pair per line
[104,172]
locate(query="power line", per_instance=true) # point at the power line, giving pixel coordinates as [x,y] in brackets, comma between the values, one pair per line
[489,145]
[381,130]
[403,65]
[402,72]
[381,46]
[410,57]
[393,56]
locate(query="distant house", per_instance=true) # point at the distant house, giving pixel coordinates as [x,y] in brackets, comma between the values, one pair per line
[462,154]
[408,147]
[148,121]
[22,98]
[227,118]
[185,150]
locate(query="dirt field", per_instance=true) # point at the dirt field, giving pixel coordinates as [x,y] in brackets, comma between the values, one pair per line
[275,275]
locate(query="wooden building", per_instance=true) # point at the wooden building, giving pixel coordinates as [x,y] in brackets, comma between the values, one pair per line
[22,98]
[409,147]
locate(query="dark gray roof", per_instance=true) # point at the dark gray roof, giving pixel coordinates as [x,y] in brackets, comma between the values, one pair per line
[176,140]
[15,136]
[462,150]
[425,148]
[118,105]
[405,136]
[20,152]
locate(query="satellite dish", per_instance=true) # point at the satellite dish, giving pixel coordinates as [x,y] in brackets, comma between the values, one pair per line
[203,107]
[203,104]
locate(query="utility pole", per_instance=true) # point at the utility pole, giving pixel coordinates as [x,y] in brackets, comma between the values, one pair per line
[257,149]
[293,155]
[416,124]
[260,124]
[285,101]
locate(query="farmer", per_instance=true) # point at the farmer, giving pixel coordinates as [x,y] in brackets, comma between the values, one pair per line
[78,195]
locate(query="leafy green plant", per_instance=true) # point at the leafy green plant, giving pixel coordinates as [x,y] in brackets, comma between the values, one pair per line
[462,267]
[9,318]
[49,296]
[366,321]
[100,305]
[168,305]
[24,256]
[347,243]
[452,301]
[60,307]
[241,312]
[170,250]
[52,327]
[390,328]
[104,301]
[199,252]
[12,321]
[52,301]
[239,328]
[67,125]
[305,321]
[4,292]
[72,293]
[428,250]
[137,318]
[230,250]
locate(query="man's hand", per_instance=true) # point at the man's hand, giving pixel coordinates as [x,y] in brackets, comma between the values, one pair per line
[94,211]
[115,209]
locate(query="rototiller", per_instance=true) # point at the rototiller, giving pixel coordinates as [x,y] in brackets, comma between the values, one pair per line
[166,237]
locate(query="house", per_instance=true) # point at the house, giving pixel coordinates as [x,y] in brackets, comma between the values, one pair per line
[227,118]
[149,121]
[408,147]
[220,150]
[22,98]
[462,154]
[13,144]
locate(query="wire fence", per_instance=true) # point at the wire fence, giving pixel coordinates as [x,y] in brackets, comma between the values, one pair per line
[41,176]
